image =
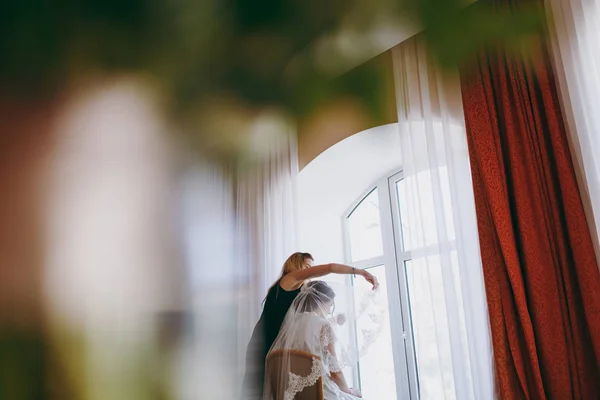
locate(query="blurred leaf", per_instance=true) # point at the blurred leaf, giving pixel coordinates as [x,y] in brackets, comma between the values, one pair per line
[196,51]
[22,365]
[455,32]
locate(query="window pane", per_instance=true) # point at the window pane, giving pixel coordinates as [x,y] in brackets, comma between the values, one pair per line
[402,202]
[462,321]
[427,296]
[446,198]
[418,204]
[364,229]
[377,377]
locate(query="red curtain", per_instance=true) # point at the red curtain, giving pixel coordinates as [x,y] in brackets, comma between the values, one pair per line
[541,276]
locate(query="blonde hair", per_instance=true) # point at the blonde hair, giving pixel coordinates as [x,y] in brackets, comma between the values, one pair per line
[295,262]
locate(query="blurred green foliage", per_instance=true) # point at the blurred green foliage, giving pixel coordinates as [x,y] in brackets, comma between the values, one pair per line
[197,49]
[455,32]
[23,374]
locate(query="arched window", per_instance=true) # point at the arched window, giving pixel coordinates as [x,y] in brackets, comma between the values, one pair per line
[370,228]
[410,353]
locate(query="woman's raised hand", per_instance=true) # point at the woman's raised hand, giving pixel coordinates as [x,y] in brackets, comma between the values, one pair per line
[370,278]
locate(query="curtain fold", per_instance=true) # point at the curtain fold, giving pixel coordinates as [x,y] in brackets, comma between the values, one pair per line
[443,278]
[540,270]
[266,215]
[265,220]
[207,218]
[575,36]
[239,227]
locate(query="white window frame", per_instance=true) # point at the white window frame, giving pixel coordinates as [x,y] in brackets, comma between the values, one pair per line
[393,258]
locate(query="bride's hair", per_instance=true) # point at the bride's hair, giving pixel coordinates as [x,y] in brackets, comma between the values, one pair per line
[317,293]
[295,262]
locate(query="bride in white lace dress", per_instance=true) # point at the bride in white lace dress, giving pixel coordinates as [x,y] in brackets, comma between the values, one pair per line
[309,326]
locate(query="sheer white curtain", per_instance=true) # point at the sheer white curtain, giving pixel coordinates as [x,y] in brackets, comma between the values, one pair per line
[444,276]
[575,36]
[265,193]
[265,223]
[208,357]
[239,227]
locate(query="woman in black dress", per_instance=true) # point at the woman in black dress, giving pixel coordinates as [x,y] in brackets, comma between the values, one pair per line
[296,270]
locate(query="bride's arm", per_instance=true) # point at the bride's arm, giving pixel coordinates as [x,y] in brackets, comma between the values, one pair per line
[293,280]
[327,342]
[338,377]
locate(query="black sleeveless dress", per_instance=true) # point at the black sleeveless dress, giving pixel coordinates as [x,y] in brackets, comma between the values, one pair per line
[265,332]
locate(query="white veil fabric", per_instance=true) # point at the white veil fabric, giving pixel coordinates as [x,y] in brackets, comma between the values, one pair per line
[315,343]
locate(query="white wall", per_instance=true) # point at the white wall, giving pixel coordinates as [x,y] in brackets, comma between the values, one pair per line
[329,185]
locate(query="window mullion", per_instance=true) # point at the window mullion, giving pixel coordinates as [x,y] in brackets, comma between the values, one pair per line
[402,256]
[395,296]
[369,263]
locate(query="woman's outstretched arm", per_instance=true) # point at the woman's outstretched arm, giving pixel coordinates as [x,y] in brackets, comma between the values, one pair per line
[293,280]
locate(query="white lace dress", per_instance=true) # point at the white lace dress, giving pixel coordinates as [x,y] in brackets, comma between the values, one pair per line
[314,334]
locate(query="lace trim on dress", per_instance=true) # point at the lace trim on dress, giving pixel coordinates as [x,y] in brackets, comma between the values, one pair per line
[297,383]
[331,362]
[326,336]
